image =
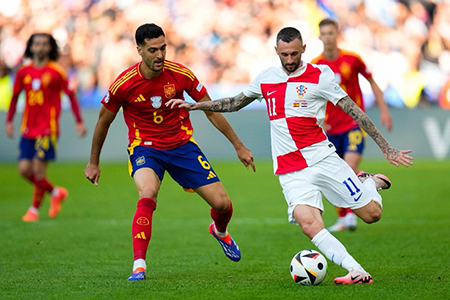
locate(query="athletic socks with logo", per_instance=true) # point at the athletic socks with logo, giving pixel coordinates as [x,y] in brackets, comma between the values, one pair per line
[141,229]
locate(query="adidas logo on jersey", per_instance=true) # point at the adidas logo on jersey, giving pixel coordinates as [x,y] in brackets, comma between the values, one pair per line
[140,98]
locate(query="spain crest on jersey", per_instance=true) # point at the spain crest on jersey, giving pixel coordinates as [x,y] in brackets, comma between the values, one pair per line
[301,91]
[46,79]
[169,91]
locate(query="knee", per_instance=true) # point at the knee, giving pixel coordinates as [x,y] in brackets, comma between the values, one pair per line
[25,172]
[373,216]
[222,205]
[148,192]
[370,213]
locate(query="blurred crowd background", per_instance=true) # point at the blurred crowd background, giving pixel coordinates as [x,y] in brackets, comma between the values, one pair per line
[405,43]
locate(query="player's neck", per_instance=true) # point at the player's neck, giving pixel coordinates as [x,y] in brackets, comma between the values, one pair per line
[331,54]
[147,72]
[40,63]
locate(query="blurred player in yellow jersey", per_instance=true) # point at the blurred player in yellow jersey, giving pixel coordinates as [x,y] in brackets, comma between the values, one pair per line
[341,129]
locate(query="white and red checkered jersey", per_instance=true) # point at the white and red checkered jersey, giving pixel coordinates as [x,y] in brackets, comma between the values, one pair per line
[296,106]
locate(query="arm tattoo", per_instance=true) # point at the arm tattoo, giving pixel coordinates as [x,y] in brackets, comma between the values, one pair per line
[225,104]
[350,107]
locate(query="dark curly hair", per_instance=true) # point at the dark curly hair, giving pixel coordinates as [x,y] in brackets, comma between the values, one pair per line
[54,53]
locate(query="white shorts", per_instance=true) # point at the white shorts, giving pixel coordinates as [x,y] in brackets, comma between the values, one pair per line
[331,177]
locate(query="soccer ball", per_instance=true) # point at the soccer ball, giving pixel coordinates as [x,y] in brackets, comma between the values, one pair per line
[309,267]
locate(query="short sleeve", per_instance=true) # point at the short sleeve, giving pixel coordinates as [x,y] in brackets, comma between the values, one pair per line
[195,89]
[329,88]
[254,89]
[112,101]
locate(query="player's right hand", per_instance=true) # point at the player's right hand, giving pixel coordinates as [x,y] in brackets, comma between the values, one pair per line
[9,129]
[173,103]
[92,173]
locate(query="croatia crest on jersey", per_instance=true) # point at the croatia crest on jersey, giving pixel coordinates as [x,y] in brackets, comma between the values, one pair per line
[301,91]
[169,91]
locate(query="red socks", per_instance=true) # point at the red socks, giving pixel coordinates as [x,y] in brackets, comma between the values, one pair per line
[30,178]
[40,187]
[141,229]
[44,185]
[38,195]
[341,211]
[222,218]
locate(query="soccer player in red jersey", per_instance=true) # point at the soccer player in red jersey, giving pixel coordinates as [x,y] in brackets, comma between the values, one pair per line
[308,168]
[160,140]
[43,81]
[342,130]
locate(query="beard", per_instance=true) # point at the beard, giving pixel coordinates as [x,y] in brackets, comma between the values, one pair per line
[291,67]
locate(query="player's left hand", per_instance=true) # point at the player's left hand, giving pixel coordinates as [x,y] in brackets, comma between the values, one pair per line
[81,129]
[396,157]
[246,157]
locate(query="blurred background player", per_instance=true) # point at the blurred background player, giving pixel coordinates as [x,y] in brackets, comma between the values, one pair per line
[160,140]
[341,129]
[43,81]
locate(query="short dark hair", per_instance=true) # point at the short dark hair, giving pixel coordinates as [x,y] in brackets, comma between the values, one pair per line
[54,52]
[329,21]
[288,34]
[147,32]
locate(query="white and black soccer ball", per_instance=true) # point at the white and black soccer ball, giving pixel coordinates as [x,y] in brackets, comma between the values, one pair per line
[309,267]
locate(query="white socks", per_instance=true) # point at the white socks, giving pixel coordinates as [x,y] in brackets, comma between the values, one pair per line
[335,251]
[371,187]
[139,263]
[221,234]
[33,209]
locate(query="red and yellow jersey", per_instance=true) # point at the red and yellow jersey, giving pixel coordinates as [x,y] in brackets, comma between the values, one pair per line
[43,88]
[150,123]
[346,68]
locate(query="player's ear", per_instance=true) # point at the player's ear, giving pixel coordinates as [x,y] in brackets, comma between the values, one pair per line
[139,50]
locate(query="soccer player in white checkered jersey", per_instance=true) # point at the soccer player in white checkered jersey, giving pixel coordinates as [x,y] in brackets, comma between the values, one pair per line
[305,161]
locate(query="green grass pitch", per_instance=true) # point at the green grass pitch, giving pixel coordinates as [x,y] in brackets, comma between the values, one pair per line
[85,253]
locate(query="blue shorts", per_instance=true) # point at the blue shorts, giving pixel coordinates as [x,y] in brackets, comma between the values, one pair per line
[186,164]
[350,141]
[43,147]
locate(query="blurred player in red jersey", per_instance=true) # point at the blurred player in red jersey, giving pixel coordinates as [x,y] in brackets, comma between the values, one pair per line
[160,140]
[43,81]
[341,129]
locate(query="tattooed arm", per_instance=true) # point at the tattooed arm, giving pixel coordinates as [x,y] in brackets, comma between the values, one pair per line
[228,104]
[394,156]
